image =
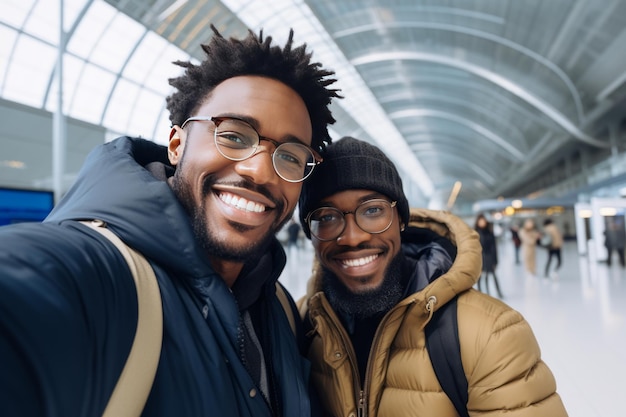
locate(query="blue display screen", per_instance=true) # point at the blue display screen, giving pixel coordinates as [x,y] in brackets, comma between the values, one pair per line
[17,206]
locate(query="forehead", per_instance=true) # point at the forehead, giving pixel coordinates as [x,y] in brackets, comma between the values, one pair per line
[275,108]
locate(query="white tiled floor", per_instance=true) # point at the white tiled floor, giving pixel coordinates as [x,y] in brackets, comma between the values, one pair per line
[579,319]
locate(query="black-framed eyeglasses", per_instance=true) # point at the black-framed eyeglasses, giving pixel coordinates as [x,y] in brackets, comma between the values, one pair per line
[237,140]
[372,216]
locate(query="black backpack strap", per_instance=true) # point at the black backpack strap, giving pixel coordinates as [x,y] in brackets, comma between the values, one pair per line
[444,349]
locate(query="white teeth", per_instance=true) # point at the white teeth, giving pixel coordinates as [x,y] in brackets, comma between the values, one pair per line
[359,261]
[241,203]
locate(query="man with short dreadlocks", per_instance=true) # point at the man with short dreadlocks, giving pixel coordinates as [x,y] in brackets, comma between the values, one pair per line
[248,126]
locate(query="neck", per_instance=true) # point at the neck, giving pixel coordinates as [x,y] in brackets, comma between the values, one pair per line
[228,270]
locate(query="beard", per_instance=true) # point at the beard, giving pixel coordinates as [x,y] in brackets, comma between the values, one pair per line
[210,242]
[370,302]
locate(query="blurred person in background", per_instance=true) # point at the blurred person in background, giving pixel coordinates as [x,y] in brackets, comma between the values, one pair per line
[516,241]
[490,254]
[293,235]
[615,239]
[529,235]
[552,240]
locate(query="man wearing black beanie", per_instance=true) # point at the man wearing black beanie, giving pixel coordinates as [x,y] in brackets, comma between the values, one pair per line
[353,164]
[394,325]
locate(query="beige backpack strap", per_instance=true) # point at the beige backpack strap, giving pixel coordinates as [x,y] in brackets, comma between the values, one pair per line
[135,382]
[284,301]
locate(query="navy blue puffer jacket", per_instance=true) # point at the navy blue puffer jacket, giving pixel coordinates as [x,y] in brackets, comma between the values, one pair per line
[68,306]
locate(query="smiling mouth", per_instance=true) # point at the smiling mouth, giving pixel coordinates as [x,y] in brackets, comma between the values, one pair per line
[359,261]
[241,203]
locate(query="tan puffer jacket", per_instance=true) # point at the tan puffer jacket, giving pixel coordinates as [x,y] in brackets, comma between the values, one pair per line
[501,357]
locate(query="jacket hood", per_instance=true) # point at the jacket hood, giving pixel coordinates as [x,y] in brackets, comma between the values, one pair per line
[461,276]
[115,186]
[467,265]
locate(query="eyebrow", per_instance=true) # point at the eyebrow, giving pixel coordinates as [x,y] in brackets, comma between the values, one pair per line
[255,124]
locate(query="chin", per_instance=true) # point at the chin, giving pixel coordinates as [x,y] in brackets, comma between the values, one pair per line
[362,285]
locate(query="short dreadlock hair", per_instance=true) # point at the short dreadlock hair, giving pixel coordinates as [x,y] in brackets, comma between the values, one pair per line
[254,55]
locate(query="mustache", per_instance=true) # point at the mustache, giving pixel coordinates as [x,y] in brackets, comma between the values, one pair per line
[211,180]
[357,248]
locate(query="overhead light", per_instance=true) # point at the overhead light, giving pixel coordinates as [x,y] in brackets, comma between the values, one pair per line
[554,210]
[175,6]
[517,204]
[608,211]
[13,164]
[585,214]
[453,194]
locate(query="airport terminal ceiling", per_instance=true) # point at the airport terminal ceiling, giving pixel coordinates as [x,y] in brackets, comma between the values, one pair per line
[472,99]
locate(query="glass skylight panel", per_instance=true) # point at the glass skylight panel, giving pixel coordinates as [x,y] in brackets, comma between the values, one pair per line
[91,93]
[276,17]
[9,37]
[156,79]
[15,12]
[145,113]
[72,68]
[30,68]
[43,21]
[162,128]
[145,57]
[120,37]
[121,104]
[91,28]
[72,9]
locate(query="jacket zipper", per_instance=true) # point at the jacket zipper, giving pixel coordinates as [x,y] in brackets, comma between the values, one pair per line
[361,393]
[345,340]
[368,369]
[361,407]
[364,393]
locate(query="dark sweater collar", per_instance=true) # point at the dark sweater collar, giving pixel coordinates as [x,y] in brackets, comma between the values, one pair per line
[257,273]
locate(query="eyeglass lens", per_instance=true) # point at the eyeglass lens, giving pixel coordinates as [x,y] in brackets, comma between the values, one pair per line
[373,216]
[237,140]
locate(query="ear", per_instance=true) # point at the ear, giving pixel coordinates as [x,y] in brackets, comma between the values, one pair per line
[176,145]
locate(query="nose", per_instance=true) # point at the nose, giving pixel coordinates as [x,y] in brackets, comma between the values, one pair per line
[259,167]
[352,234]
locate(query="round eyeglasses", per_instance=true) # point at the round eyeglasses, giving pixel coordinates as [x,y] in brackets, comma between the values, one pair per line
[237,140]
[372,216]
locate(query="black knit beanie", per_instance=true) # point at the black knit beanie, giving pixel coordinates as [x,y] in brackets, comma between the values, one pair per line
[349,164]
